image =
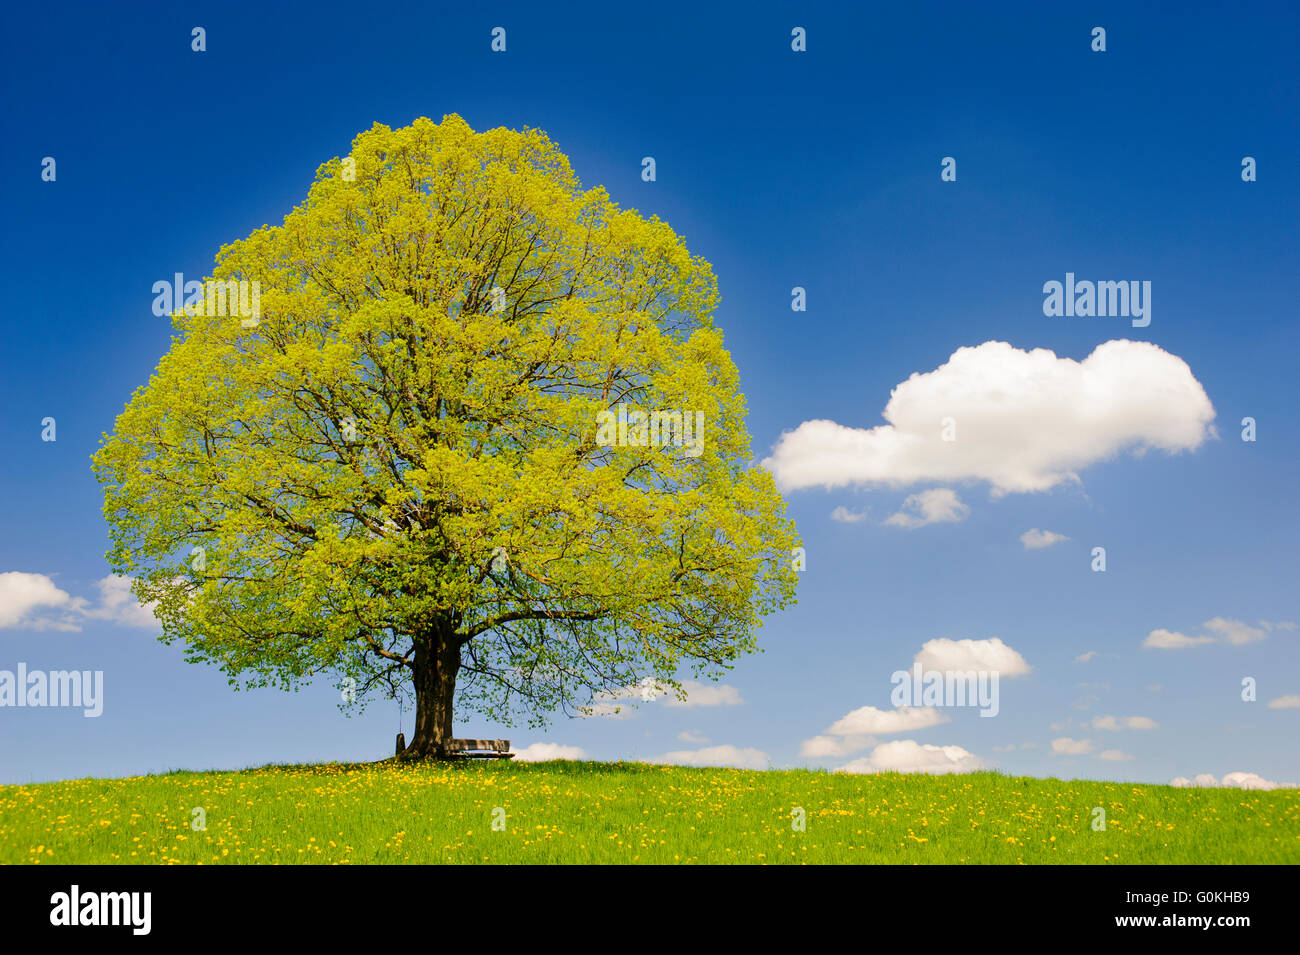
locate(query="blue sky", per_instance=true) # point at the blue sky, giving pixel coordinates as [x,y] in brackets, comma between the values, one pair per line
[818,169]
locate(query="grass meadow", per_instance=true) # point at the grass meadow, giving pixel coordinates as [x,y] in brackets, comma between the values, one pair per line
[580,812]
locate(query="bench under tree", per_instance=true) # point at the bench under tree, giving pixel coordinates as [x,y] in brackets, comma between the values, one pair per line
[470,748]
[481,748]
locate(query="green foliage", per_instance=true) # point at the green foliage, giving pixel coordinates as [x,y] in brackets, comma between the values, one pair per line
[351,464]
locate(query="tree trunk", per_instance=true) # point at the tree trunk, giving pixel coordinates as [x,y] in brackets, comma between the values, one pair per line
[437,659]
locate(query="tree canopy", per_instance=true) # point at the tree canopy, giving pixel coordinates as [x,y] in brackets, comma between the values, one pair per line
[397,473]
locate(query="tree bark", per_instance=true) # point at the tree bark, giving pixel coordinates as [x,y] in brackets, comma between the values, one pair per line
[437,660]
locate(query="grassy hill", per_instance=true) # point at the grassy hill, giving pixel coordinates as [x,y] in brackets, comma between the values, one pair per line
[631,812]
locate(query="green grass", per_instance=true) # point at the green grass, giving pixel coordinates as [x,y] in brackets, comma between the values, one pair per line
[572,812]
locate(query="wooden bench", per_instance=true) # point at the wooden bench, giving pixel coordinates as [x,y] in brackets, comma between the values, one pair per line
[481,748]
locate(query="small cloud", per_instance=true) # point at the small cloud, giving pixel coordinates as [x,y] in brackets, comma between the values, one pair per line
[542,752]
[829,747]
[1230,781]
[867,720]
[1124,723]
[846,516]
[909,756]
[615,704]
[1085,657]
[989,655]
[1285,703]
[1204,779]
[1064,746]
[1114,756]
[939,505]
[1034,539]
[1171,640]
[1225,630]
[621,703]
[117,604]
[730,756]
[706,694]
[691,736]
[1234,631]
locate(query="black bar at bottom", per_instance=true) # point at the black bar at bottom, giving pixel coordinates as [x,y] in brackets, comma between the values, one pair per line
[337,904]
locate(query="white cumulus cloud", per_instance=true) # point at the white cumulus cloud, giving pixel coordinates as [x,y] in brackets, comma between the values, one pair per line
[35,602]
[857,730]
[909,756]
[1024,421]
[867,720]
[1285,703]
[25,600]
[964,655]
